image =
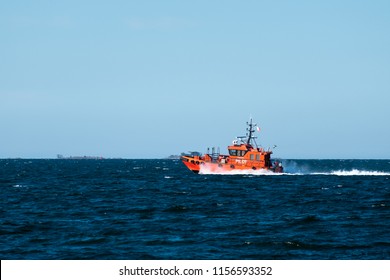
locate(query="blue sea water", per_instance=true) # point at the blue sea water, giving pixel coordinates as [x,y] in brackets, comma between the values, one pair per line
[158,209]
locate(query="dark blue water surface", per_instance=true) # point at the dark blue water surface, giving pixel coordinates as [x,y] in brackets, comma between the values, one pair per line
[157,209]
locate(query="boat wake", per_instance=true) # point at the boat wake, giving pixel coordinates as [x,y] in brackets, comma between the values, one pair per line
[354,172]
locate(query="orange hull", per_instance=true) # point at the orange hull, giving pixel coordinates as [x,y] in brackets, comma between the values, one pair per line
[197,164]
[242,156]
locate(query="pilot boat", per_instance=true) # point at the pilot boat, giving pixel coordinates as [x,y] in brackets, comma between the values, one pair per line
[244,154]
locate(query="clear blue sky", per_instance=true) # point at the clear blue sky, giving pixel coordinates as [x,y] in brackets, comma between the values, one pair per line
[146,79]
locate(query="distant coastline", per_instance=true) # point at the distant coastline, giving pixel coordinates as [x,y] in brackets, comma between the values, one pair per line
[182,154]
[173,157]
[80,157]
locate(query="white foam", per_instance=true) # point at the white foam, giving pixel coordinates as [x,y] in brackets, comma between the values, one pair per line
[205,170]
[354,172]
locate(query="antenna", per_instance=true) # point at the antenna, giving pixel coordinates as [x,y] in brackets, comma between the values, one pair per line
[248,139]
[251,130]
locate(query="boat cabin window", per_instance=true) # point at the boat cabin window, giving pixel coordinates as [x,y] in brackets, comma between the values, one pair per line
[241,153]
[237,153]
[252,156]
[257,157]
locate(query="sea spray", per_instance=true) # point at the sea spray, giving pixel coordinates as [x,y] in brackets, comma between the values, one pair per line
[293,167]
[205,170]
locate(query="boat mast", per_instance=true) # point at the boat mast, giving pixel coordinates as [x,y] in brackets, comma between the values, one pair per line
[251,130]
